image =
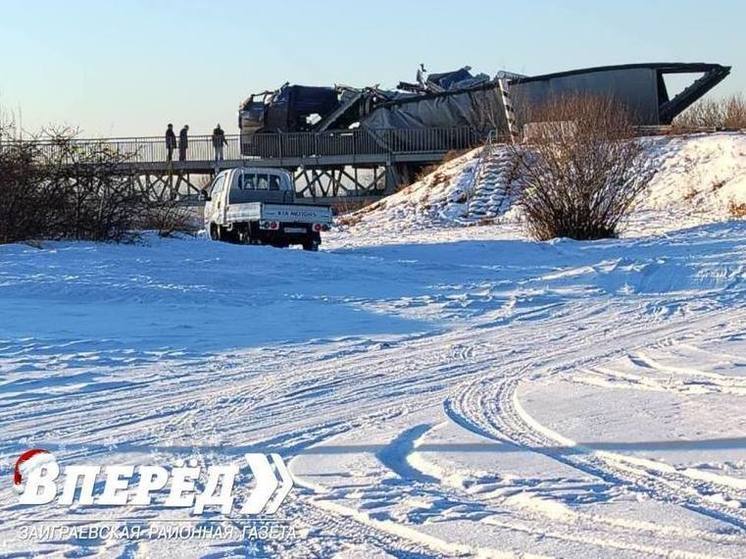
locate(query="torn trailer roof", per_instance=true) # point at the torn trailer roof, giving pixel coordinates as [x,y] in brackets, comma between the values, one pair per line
[462,99]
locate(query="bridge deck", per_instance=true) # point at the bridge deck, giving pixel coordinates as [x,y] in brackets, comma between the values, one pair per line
[329,164]
[208,166]
[333,148]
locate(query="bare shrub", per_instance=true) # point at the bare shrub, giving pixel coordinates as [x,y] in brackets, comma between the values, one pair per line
[55,188]
[727,113]
[349,220]
[168,217]
[579,170]
[737,210]
[425,171]
[28,203]
[351,204]
[439,178]
[101,202]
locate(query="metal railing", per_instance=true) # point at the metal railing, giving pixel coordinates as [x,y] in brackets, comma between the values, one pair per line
[355,142]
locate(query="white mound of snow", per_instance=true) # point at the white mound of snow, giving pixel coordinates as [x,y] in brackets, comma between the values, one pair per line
[699,178]
[703,172]
[438,199]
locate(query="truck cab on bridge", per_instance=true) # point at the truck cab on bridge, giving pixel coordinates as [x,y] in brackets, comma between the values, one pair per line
[257,206]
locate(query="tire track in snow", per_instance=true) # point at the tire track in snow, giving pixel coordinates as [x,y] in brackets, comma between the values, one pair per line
[489,407]
[642,539]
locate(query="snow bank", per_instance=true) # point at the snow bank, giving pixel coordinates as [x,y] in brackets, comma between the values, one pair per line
[703,173]
[699,178]
[435,200]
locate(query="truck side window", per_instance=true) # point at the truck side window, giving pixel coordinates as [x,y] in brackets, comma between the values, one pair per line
[274,182]
[262,182]
[247,181]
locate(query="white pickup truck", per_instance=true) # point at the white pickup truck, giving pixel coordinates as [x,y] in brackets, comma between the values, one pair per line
[257,206]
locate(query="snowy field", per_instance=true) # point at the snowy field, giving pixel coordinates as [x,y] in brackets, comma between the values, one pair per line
[437,392]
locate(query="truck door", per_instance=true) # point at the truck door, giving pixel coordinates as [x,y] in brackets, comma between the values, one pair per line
[218,205]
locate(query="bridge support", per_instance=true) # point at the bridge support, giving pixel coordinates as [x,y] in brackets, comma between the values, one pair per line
[311,182]
[352,180]
[333,182]
[170,185]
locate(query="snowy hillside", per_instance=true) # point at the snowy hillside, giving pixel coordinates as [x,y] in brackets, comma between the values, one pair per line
[489,398]
[698,178]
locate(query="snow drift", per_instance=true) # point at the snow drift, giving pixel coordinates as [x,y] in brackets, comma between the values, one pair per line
[699,179]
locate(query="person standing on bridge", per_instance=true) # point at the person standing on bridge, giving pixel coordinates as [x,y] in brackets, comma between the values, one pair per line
[183,142]
[170,142]
[422,75]
[218,141]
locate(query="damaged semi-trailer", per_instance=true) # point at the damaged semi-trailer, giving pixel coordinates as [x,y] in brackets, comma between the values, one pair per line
[334,132]
[447,101]
[458,98]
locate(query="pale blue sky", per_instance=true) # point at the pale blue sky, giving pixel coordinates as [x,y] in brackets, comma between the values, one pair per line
[128,67]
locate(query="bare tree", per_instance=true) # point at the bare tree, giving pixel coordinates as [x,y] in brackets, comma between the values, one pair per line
[580,168]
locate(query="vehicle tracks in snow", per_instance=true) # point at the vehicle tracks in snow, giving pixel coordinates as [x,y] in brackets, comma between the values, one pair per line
[340,386]
[489,406]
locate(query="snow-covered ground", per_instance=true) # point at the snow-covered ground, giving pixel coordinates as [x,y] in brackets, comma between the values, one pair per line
[438,391]
[698,177]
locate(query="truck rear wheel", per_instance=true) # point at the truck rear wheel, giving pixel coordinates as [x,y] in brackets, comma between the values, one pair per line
[215,232]
[244,235]
[311,244]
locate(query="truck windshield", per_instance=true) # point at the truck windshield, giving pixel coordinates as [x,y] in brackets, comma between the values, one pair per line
[217,186]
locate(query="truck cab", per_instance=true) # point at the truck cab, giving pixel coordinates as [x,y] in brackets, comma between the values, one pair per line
[257,206]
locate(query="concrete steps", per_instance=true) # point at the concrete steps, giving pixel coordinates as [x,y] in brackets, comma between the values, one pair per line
[490,197]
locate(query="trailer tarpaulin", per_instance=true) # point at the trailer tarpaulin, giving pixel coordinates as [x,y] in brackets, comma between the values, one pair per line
[479,108]
[458,79]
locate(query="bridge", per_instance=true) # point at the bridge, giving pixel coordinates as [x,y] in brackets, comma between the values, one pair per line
[327,166]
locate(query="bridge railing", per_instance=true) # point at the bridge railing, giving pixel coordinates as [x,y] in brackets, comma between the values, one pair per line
[283,145]
[144,149]
[360,142]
